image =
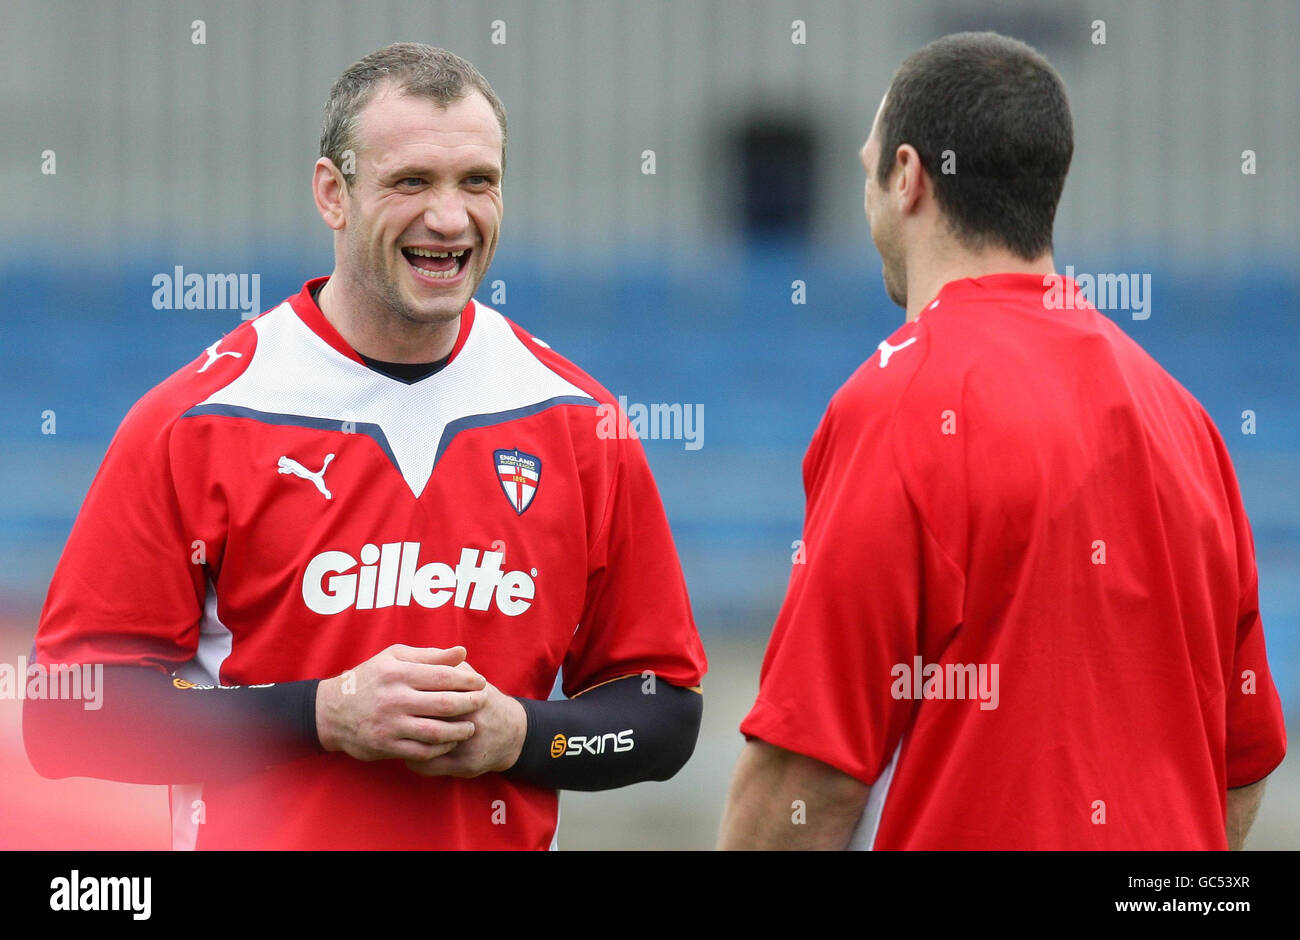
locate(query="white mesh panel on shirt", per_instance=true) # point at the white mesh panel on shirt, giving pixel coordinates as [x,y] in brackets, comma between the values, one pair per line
[295,372]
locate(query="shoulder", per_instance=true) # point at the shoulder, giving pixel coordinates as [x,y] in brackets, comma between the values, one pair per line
[605,444]
[217,365]
[563,368]
[870,400]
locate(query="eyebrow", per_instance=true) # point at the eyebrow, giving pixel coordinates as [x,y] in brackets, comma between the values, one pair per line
[408,170]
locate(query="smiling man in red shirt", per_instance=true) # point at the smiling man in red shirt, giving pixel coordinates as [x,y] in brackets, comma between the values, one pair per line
[333,566]
[1028,614]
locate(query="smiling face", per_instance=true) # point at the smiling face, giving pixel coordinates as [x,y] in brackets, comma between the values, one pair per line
[423,214]
[882,217]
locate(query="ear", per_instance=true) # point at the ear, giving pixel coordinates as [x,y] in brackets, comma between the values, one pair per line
[911,182]
[330,191]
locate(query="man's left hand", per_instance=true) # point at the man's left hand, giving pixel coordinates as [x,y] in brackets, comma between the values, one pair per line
[500,727]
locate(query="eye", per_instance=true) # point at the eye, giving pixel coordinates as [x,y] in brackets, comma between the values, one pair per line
[410,182]
[478,180]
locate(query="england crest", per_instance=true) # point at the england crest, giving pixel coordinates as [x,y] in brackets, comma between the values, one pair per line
[519,474]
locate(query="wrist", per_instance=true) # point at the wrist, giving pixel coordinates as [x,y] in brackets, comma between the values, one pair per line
[326,693]
[518,722]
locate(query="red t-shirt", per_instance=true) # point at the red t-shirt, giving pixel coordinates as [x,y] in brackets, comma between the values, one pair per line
[277,510]
[1026,611]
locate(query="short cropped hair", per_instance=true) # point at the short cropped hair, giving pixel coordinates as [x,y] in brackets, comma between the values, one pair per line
[1001,109]
[417,69]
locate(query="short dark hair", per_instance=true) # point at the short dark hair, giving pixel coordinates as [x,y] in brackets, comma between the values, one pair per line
[1001,109]
[416,69]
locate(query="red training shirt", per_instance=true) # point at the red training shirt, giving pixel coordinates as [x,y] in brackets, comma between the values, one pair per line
[277,511]
[1027,610]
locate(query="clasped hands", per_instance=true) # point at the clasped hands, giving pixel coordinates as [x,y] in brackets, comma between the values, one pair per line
[426,706]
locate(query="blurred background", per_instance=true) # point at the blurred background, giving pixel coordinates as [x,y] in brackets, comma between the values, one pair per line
[668,286]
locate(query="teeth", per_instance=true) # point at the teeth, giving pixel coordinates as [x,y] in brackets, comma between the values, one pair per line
[426,253]
[438,275]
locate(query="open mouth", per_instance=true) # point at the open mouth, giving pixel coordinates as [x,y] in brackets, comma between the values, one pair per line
[437,265]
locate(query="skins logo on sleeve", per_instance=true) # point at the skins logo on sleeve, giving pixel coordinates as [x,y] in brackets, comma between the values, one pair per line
[179,683]
[577,744]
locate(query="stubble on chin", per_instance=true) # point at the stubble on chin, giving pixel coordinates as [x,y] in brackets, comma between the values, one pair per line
[895,284]
[892,273]
[385,292]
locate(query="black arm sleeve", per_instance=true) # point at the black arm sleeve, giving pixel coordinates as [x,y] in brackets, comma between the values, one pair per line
[148,728]
[610,736]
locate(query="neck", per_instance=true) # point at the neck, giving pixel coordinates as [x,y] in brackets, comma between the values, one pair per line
[927,276]
[377,331]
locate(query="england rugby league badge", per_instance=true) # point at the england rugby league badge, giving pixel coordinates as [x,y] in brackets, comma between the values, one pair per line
[519,474]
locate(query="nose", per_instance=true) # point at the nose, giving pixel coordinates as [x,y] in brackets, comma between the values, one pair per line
[445,212]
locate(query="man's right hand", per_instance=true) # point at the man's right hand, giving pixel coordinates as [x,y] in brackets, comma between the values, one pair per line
[400,704]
